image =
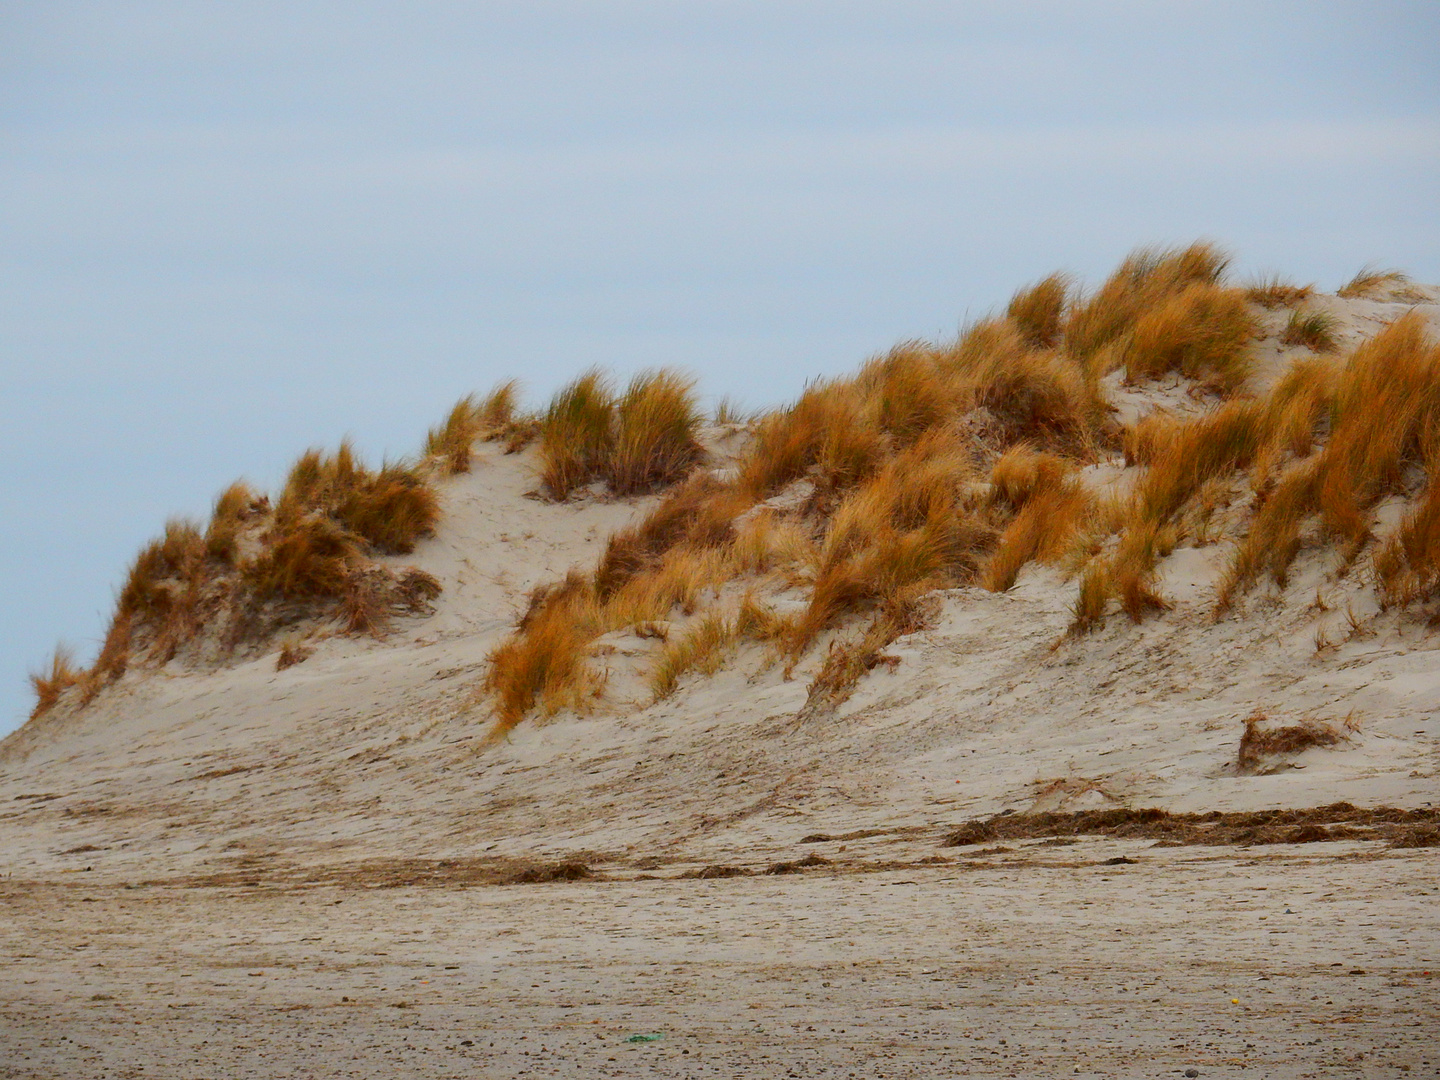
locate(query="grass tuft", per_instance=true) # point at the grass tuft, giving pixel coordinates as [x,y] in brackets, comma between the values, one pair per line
[452,443]
[236,506]
[1314,330]
[576,434]
[655,440]
[1375,284]
[1203,332]
[1038,311]
[1147,277]
[49,684]
[1274,292]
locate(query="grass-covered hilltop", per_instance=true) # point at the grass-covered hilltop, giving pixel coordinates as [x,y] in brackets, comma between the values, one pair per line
[1094,432]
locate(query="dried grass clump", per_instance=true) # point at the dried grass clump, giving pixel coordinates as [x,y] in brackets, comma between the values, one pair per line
[235,507]
[908,528]
[391,510]
[1038,311]
[1203,332]
[1314,330]
[255,568]
[544,663]
[452,443]
[1407,565]
[655,433]
[1051,508]
[1044,398]
[847,662]
[1274,292]
[305,557]
[830,433]
[164,589]
[292,653]
[1383,410]
[1375,284]
[51,683]
[498,411]
[644,439]
[1258,745]
[1146,277]
[1146,439]
[576,433]
[698,512]
[705,646]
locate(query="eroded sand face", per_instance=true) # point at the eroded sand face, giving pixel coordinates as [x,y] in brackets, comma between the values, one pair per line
[1043,962]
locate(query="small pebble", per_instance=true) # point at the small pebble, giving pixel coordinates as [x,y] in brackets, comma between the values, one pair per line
[1192,1072]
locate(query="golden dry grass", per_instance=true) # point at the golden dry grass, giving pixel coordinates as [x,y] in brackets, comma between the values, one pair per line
[908,527]
[452,442]
[1375,284]
[305,557]
[1203,332]
[1048,522]
[1382,408]
[49,684]
[1315,330]
[391,510]
[1407,565]
[234,507]
[895,510]
[256,567]
[701,648]
[1038,311]
[545,663]
[656,427]
[497,413]
[1275,292]
[576,433]
[1146,277]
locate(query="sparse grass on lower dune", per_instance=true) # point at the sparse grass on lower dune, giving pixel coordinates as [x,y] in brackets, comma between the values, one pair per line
[1325,445]
[704,646]
[256,568]
[1407,565]
[51,683]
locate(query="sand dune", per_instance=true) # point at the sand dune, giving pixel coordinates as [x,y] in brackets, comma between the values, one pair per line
[370,765]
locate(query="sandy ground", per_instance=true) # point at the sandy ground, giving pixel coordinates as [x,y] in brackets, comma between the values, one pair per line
[1044,962]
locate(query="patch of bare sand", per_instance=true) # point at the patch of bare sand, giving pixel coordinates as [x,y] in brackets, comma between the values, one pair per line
[1040,962]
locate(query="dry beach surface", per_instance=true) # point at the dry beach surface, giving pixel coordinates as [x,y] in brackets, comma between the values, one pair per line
[243,872]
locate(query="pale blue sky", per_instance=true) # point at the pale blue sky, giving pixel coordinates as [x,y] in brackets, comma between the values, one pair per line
[231,231]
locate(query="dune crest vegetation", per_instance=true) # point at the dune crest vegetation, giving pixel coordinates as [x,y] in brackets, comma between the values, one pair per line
[258,567]
[936,465]
[837,518]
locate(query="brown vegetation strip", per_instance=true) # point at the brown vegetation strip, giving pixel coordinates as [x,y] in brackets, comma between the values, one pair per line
[398,873]
[1338,821]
